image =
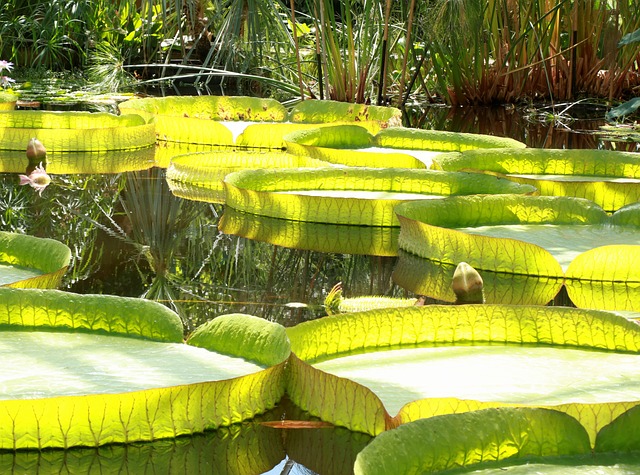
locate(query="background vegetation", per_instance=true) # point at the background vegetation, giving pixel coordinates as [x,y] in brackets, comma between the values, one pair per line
[456,51]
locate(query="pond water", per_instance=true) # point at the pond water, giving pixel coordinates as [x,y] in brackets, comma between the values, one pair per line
[130,236]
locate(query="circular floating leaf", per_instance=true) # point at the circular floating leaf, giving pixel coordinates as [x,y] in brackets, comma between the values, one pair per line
[463,358]
[219,389]
[358,196]
[209,120]
[352,145]
[323,111]
[28,261]
[609,178]
[191,175]
[463,440]
[74,131]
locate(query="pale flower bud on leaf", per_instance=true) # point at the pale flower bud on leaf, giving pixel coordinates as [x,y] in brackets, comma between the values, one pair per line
[35,150]
[467,284]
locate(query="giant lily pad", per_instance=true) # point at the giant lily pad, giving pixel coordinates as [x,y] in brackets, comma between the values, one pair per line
[356,370]
[88,370]
[549,237]
[210,120]
[502,440]
[357,196]
[28,261]
[398,147]
[199,176]
[609,178]
[74,131]
[248,121]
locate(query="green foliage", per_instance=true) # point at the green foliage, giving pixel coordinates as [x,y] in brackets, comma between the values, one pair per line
[440,443]
[250,337]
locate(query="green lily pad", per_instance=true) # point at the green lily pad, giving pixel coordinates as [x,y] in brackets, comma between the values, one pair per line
[563,238]
[464,440]
[27,261]
[400,147]
[199,176]
[99,370]
[75,131]
[356,196]
[358,369]
[611,179]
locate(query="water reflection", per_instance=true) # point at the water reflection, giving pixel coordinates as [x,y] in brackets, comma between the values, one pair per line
[539,126]
[249,448]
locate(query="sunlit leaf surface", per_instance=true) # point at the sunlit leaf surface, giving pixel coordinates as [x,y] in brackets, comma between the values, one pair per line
[27,261]
[262,192]
[92,373]
[608,178]
[75,131]
[463,440]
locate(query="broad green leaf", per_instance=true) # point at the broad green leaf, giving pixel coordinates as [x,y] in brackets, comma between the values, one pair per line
[206,170]
[201,119]
[193,131]
[321,237]
[148,414]
[592,416]
[249,337]
[621,435]
[41,309]
[382,351]
[281,193]
[461,440]
[624,109]
[608,178]
[438,140]
[372,117]
[569,162]
[272,135]
[629,38]
[213,108]
[611,263]
[318,340]
[75,131]
[333,136]
[350,145]
[434,279]
[28,261]
[426,230]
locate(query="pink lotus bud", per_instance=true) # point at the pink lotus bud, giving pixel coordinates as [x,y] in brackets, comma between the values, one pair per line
[35,150]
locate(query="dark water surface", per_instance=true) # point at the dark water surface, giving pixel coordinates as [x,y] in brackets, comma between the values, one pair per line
[131,236]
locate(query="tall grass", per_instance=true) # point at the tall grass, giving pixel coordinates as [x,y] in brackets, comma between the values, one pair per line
[457,51]
[506,50]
